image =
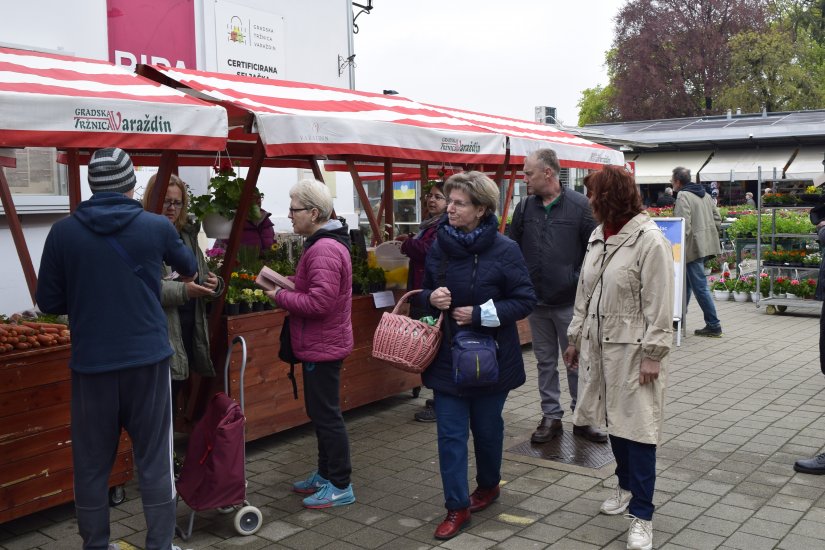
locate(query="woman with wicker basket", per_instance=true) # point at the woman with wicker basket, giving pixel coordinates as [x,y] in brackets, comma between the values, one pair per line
[478,277]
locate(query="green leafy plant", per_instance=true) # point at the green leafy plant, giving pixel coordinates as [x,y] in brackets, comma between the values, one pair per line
[224,194]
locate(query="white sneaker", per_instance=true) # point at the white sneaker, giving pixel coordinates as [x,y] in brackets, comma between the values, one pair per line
[640,534]
[616,504]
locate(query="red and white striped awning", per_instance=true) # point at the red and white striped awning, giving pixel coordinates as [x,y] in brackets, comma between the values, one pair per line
[295,118]
[49,100]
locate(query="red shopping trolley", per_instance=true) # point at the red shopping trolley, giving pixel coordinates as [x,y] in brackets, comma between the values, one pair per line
[213,474]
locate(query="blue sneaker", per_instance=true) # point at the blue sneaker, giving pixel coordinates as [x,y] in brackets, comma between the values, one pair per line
[310,485]
[329,495]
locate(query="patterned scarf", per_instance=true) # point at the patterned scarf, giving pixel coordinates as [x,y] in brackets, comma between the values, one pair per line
[466,239]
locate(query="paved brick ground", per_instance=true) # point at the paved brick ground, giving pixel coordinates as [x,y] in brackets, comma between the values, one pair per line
[740,410]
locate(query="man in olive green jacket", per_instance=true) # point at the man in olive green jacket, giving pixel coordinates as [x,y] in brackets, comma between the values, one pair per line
[702,226]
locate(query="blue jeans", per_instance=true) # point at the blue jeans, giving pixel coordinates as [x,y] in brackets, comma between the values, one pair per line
[698,283]
[455,417]
[636,470]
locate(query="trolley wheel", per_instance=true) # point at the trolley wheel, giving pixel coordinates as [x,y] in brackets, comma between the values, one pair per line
[226,509]
[117,495]
[248,520]
[770,310]
[782,309]
[416,391]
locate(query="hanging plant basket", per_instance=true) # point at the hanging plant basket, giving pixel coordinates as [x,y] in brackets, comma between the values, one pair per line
[216,226]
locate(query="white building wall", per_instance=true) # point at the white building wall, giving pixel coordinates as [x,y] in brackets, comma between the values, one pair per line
[316,32]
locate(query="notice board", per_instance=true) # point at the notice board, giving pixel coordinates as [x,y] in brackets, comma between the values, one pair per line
[674,230]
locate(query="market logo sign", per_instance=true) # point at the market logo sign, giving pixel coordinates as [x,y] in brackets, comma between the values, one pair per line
[455,145]
[599,158]
[112,121]
[236,31]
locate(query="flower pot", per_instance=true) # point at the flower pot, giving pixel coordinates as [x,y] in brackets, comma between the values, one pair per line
[755,296]
[708,271]
[791,296]
[721,295]
[779,295]
[257,306]
[268,305]
[740,296]
[216,226]
[244,308]
[231,309]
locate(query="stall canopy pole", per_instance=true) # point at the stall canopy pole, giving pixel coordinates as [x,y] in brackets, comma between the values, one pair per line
[17,234]
[316,171]
[388,206]
[362,195]
[231,254]
[168,165]
[74,178]
[507,201]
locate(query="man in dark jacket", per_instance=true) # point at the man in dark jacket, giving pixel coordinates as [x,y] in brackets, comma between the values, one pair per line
[552,230]
[102,267]
[666,199]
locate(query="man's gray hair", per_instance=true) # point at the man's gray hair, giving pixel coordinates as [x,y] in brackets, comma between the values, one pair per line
[313,194]
[668,190]
[549,158]
[682,175]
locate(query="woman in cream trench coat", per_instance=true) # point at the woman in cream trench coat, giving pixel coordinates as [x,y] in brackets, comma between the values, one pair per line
[620,338]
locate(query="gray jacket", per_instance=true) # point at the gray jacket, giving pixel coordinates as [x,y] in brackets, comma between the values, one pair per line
[173,295]
[554,244]
[702,224]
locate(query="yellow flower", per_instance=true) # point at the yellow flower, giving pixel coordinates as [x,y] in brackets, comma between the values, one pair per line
[234,275]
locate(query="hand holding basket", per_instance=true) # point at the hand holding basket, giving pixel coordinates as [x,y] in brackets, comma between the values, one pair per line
[407,343]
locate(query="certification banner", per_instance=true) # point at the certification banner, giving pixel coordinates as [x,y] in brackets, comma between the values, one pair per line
[250,42]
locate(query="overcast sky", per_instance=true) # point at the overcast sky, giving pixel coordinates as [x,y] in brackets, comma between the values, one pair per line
[500,58]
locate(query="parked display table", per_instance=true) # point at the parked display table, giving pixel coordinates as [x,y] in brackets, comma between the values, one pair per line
[35,436]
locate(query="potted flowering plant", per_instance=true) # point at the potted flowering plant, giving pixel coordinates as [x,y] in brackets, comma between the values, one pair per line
[794,289]
[807,288]
[721,287]
[214,258]
[743,286]
[780,286]
[764,284]
[217,208]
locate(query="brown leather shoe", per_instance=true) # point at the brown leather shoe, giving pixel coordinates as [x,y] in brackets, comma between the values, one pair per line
[482,498]
[547,430]
[590,433]
[453,523]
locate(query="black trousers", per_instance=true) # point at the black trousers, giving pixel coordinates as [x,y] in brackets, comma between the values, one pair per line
[822,340]
[139,400]
[636,470]
[322,398]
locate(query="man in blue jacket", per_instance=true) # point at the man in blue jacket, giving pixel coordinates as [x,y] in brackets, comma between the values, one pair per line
[102,267]
[552,228]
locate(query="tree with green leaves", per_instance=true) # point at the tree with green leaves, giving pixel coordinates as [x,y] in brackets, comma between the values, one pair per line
[597,105]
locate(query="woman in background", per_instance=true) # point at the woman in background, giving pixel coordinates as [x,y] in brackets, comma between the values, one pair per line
[185,303]
[620,338]
[416,248]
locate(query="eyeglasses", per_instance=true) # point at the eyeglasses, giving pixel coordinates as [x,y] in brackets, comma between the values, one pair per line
[172,204]
[458,204]
[293,210]
[435,196]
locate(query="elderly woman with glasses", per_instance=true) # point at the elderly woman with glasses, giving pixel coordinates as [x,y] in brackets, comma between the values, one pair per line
[320,320]
[185,303]
[479,279]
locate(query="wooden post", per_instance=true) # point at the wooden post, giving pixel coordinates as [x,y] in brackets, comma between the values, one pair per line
[387,200]
[168,165]
[17,234]
[503,222]
[362,195]
[316,171]
[74,179]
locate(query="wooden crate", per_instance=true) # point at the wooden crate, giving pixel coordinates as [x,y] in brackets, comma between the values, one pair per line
[35,436]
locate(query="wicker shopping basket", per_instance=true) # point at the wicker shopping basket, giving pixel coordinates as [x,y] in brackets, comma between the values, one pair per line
[407,343]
